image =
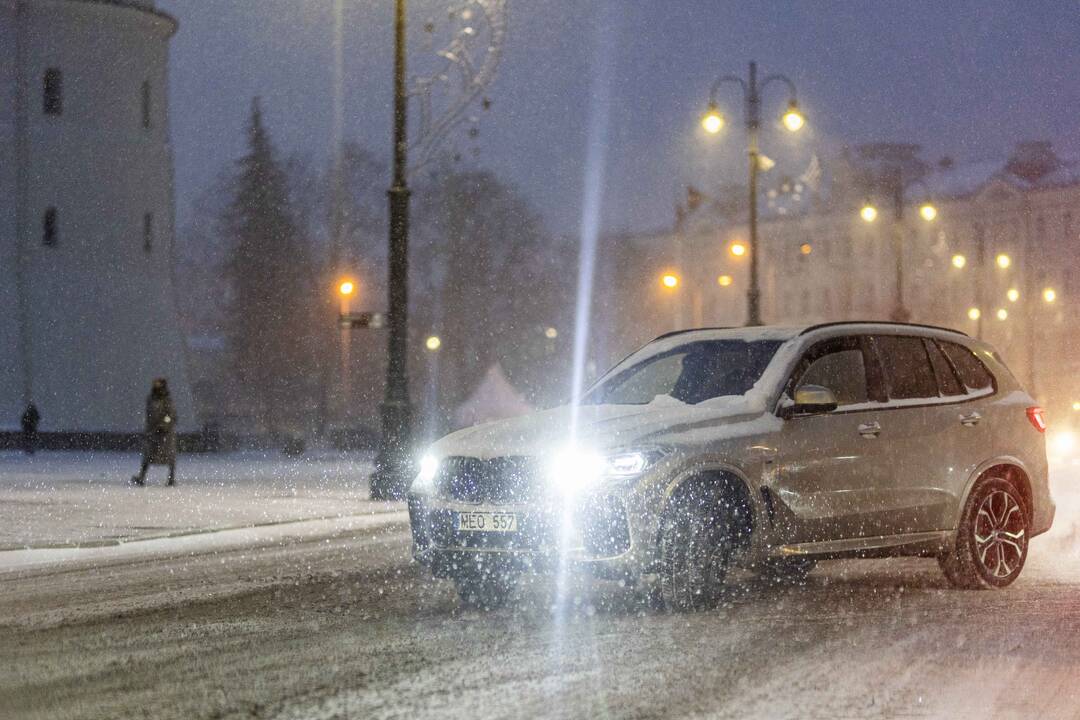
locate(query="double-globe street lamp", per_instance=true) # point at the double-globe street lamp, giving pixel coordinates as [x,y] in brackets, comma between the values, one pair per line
[893,180]
[713,122]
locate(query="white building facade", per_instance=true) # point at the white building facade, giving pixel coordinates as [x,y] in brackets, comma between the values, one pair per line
[88,313]
[1005,241]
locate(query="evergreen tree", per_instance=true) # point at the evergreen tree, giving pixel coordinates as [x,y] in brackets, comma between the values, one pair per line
[272,299]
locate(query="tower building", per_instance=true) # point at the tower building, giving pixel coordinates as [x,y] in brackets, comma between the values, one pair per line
[87,309]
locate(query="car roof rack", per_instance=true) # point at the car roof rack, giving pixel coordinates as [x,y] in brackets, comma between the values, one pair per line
[883,322]
[673,333]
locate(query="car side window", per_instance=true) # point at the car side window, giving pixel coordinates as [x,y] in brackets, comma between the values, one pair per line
[838,365]
[971,370]
[908,374]
[948,382]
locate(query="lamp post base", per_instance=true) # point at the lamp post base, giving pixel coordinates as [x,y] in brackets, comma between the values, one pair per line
[394,463]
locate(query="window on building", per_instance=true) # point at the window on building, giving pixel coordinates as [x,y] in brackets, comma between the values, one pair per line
[53,95]
[147,106]
[49,228]
[148,232]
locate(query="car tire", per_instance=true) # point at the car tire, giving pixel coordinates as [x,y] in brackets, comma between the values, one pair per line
[788,571]
[992,541]
[695,549]
[484,590]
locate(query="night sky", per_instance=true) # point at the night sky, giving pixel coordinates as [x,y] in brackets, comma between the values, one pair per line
[965,79]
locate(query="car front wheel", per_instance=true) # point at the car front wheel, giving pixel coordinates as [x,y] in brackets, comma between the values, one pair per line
[695,549]
[992,540]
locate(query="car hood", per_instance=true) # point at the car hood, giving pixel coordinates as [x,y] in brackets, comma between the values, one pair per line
[601,427]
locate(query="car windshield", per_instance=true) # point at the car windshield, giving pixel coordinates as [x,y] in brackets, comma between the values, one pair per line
[690,373]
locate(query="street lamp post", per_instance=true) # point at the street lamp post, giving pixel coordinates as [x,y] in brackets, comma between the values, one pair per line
[713,122]
[346,289]
[392,463]
[900,312]
[894,180]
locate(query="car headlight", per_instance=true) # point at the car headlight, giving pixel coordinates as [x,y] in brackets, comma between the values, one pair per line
[424,482]
[574,469]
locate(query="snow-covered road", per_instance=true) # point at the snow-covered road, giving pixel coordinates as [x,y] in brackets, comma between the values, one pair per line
[342,625]
[346,627]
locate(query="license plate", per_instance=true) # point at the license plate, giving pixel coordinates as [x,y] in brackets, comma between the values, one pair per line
[487,522]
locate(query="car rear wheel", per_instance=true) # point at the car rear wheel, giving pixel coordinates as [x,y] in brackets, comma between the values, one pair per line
[695,549]
[992,541]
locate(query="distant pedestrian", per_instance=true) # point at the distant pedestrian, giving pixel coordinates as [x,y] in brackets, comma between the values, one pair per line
[31,418]
[160,442]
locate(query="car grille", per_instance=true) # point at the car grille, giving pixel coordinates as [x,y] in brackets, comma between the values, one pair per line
[494,480]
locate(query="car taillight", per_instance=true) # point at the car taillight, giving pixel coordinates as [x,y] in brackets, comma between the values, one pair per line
[1037,416]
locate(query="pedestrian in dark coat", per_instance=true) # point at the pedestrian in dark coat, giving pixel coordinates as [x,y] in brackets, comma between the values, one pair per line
[30,420]
[160,442]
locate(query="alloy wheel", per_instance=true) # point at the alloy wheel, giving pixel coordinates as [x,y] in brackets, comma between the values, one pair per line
[1000,534]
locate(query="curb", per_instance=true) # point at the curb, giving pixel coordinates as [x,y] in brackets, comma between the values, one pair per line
[116,542]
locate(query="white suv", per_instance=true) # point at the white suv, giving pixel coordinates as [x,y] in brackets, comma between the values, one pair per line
[767,448]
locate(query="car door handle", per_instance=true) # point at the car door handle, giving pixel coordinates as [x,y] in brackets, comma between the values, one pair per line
[971,419]
[870,430]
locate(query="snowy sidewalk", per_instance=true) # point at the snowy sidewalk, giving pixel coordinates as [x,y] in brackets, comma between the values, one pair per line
[79,499]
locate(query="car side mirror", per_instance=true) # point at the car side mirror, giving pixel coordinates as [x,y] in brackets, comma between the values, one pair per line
[812,400]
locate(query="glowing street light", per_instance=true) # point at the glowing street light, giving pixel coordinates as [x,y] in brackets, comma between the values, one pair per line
[1003,261]
[806,248]
[551,333]
[712,120]
[793,118]
[928,212]
[959,261]
[725,280]
[1013,294]
[868,213]
[670,281]
[1049,295]
[1002,314]
[974,313]
[738,249]
[347,288]
[433,343]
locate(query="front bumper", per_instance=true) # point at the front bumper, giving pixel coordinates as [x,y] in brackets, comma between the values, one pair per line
[595,535]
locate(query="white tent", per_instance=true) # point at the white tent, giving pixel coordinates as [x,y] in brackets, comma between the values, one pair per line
[493,398]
